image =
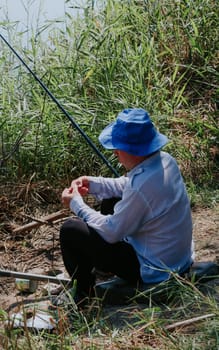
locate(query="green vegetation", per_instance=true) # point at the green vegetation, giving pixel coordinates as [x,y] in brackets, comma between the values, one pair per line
[158,55]
[189,320]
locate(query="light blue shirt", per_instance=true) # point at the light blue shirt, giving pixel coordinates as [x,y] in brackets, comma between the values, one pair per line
[153,215]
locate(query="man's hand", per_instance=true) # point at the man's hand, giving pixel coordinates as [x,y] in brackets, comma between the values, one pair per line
[82,184]
[78,186]
[68,194]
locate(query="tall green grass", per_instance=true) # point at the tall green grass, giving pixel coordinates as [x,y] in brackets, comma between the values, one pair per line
[159,55]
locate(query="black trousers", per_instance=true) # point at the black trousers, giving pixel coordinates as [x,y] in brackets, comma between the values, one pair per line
[83,249]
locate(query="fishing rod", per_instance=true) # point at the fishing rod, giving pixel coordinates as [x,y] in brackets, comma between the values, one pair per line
[70,118]
[34,277]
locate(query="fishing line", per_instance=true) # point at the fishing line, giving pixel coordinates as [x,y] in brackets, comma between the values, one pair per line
[70,118]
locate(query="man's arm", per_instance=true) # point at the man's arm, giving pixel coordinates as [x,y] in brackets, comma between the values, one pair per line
[105,187]
[127,218]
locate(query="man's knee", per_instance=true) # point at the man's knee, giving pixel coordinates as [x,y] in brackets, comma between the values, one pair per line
[68,225]
[73,230]
[66,229]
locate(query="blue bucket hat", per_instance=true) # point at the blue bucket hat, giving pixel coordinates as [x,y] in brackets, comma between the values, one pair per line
[133,132]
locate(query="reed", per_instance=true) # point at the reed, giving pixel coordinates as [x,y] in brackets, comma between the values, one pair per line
[159,55]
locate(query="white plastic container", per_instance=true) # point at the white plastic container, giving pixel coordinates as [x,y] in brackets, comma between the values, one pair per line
[24,285]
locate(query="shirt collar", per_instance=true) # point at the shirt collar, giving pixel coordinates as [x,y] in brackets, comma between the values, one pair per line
[141,166]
